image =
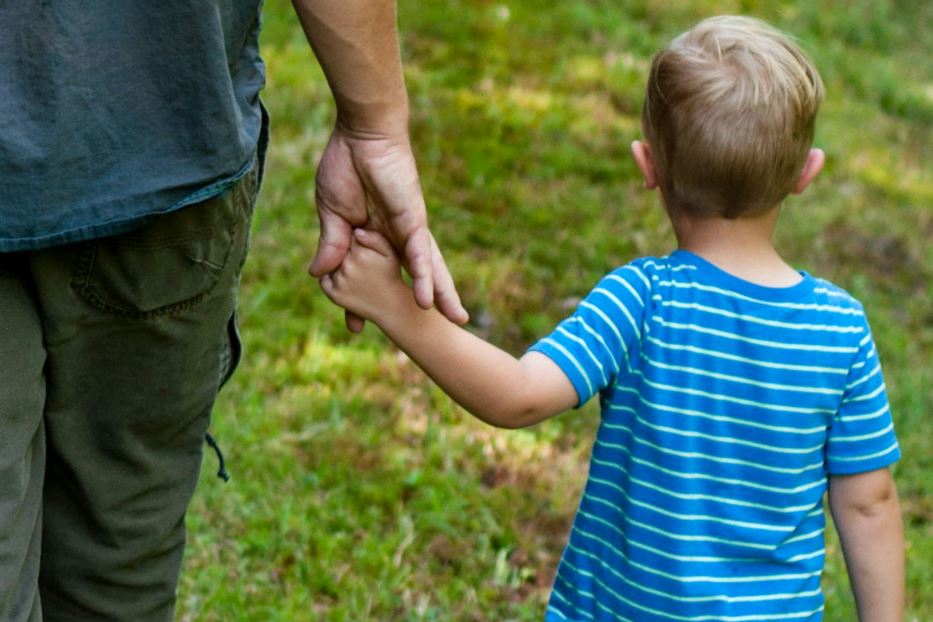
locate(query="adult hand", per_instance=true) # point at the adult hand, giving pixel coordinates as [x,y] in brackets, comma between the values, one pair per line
[371,181]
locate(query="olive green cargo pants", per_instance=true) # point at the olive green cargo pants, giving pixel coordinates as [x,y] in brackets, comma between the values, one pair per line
[111,355]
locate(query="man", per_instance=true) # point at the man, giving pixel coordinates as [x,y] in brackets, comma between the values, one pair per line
[131,150]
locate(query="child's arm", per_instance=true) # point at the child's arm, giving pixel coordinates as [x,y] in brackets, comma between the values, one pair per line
[490,383]
[868,519]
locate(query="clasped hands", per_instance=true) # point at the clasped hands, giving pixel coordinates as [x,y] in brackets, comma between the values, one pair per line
[371,182]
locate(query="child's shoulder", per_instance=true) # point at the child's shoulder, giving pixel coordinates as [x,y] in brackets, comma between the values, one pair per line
[649,270]
[835,295]
[649,273]
[683,273]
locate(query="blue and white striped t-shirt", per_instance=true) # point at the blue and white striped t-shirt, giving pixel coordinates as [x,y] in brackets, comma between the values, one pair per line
[725,405]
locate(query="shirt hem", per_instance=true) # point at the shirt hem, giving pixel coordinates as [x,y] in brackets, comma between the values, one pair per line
[105,229]
[115,227]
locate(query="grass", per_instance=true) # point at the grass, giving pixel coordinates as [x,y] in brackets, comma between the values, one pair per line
[359,491]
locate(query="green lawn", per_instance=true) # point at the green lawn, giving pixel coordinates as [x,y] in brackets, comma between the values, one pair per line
[359,491]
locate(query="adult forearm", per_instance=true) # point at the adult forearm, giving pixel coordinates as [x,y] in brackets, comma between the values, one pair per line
[356,42]
[873,545]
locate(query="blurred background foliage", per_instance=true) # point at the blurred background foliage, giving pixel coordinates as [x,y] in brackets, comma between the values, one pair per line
[359,491]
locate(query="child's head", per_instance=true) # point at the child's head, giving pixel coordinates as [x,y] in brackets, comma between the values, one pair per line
[729,115]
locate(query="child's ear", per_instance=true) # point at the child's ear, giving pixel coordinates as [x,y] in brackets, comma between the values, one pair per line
[645,161]
[811,168]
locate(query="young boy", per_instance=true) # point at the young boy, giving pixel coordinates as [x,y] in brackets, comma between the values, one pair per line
[734,390]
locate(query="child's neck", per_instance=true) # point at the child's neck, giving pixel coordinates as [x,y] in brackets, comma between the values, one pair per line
[742,247]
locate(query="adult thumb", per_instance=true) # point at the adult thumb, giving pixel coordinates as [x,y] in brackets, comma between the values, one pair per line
[333,244]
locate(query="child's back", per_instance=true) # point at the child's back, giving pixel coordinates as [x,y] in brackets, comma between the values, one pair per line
[724,404]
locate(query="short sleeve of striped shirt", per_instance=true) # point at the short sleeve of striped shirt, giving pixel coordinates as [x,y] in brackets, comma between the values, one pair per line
[593,344]
[861,437]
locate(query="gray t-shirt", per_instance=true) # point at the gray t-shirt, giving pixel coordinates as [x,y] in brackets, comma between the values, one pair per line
[113,111]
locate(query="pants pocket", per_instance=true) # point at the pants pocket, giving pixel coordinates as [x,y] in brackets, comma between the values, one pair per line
[166,266]
[233,351]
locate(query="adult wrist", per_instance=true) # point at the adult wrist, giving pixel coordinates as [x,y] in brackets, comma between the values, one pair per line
[374,120]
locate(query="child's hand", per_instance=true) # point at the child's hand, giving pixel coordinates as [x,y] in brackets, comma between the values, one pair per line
[368,283]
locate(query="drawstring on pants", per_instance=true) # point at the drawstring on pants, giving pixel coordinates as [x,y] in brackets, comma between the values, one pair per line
[222,470]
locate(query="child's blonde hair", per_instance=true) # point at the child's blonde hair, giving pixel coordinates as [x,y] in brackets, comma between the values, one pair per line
[729,115]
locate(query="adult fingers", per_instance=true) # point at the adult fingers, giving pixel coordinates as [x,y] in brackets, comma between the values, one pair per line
[445,292]
[354,322]
[418,260]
